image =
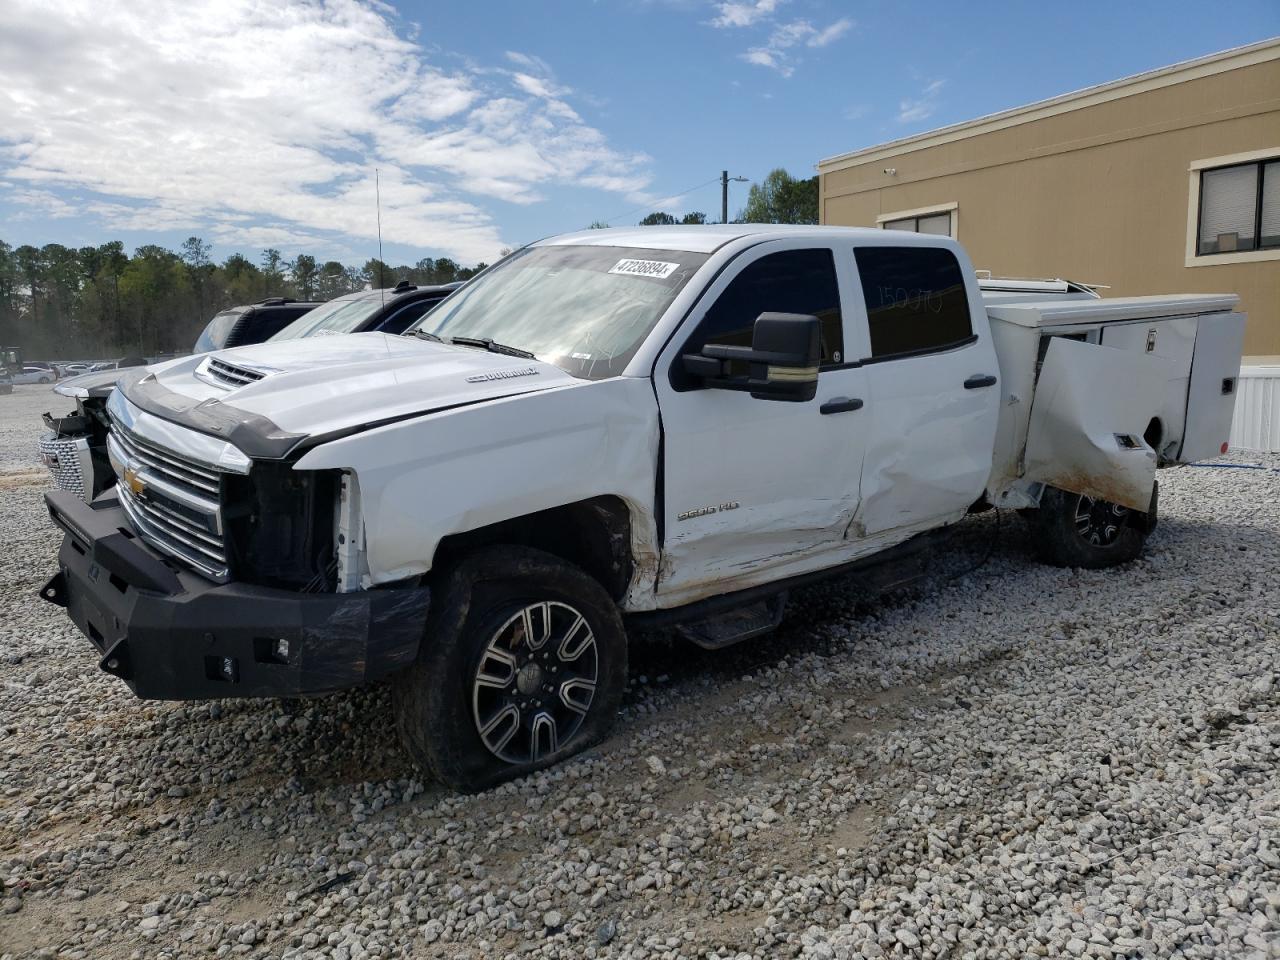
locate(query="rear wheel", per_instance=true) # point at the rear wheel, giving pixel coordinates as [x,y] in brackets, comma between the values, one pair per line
[523,664]
[1078,531]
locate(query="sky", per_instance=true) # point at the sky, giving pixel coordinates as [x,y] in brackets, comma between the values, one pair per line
[260,123]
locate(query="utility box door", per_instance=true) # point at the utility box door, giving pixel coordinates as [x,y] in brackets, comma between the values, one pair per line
[1173,339]
[1211,398]
[1091,406]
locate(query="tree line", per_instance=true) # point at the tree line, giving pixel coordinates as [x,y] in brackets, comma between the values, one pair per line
[778,198]
[61,302]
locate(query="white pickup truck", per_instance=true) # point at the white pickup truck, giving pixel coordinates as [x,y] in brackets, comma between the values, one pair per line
[661,424]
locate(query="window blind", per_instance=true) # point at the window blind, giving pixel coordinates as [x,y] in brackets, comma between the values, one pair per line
[939,225]
[1270,229]
[1227,206]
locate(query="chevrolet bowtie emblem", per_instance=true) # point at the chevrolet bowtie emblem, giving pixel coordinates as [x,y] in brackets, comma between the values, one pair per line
[133,480]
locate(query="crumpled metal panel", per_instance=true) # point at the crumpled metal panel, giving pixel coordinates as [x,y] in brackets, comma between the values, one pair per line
[1091,407]
[423,479]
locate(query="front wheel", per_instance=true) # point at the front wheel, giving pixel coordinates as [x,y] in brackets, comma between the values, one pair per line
[523,664]
[1078,531]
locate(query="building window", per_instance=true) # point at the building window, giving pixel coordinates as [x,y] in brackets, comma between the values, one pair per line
[939,220]
[938,224]
[1239,208]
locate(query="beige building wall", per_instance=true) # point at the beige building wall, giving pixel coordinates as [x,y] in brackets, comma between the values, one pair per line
[1097,187]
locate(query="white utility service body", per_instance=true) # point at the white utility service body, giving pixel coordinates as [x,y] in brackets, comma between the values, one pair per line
[649,400]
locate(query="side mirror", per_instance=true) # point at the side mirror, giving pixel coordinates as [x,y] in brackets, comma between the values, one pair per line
[782,361]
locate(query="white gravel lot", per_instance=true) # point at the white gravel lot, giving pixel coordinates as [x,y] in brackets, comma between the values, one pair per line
[20,424]
[1009,760]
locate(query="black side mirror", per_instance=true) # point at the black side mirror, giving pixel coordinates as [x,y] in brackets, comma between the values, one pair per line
[782,361]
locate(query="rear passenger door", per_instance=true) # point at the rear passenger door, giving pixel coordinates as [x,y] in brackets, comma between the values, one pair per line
[933,395]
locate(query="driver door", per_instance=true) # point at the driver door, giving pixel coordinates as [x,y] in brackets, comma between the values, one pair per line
[755,489]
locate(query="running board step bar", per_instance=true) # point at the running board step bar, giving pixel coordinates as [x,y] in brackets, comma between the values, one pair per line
[733,626]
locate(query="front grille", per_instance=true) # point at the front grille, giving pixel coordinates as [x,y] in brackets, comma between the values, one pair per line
[60,456]
[173,501]
[198,478]
[232,375]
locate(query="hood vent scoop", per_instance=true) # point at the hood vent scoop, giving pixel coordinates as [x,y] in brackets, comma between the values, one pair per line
[231,375]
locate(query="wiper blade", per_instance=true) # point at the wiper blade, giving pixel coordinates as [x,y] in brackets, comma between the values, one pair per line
[493,347]
[427,335]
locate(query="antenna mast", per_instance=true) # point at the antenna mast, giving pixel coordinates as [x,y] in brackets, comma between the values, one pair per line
[377,193]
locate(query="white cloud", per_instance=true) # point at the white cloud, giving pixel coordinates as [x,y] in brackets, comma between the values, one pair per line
[38,201]
[260,122]
[537,86]
[913,110]
[830,34]
[762,57]
[735,13]
[774,53]
[528,61]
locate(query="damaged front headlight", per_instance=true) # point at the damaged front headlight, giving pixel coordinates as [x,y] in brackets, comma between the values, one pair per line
[279,524]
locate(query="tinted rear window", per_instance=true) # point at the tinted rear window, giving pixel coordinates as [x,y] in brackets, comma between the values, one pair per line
[916,299]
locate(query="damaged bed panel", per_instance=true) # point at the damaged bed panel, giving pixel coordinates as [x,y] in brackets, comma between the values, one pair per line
[1091,406]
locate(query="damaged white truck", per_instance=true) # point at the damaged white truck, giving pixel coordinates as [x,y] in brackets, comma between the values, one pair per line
[657,424]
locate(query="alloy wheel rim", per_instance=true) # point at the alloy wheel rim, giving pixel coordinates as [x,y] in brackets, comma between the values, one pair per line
[535,682]
[1099,522]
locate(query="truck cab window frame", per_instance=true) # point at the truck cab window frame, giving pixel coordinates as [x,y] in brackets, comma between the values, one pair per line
[916,301]
[802,280]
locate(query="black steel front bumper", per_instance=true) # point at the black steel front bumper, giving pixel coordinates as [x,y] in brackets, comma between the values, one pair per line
[173,635]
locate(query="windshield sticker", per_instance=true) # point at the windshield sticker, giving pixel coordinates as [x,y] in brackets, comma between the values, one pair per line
[657,269]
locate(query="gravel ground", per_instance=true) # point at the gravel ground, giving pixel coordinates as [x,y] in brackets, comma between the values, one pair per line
[1007,760]
[20,424]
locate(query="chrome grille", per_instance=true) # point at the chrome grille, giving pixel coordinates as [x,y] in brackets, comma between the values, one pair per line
[232,375]
[183,471]
[172,500]
[60,455]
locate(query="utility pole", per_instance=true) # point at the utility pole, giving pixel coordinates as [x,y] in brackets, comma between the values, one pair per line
[725,179]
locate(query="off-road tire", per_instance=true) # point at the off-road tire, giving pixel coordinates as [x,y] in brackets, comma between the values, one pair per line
[1059,540]
[436,714]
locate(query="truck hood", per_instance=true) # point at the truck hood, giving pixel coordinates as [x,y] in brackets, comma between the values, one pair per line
[89,385]
[325,385]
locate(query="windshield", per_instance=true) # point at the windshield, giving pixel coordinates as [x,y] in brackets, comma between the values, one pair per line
[215,334]
[337,316]
[586,309]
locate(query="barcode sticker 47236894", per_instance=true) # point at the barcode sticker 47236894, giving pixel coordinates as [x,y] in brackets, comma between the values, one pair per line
[658,269]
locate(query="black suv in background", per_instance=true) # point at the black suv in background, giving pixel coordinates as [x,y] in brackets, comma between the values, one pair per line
[387,310]
[254,323]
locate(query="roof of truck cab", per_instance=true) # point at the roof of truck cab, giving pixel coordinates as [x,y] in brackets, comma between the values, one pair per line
[707,238]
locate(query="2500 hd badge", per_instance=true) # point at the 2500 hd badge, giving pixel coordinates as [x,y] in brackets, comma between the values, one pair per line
[707,511]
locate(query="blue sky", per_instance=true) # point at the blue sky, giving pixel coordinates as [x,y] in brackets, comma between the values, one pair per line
[493,124]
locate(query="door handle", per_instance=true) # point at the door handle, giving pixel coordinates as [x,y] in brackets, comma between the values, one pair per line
[840,405]
[980,380]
